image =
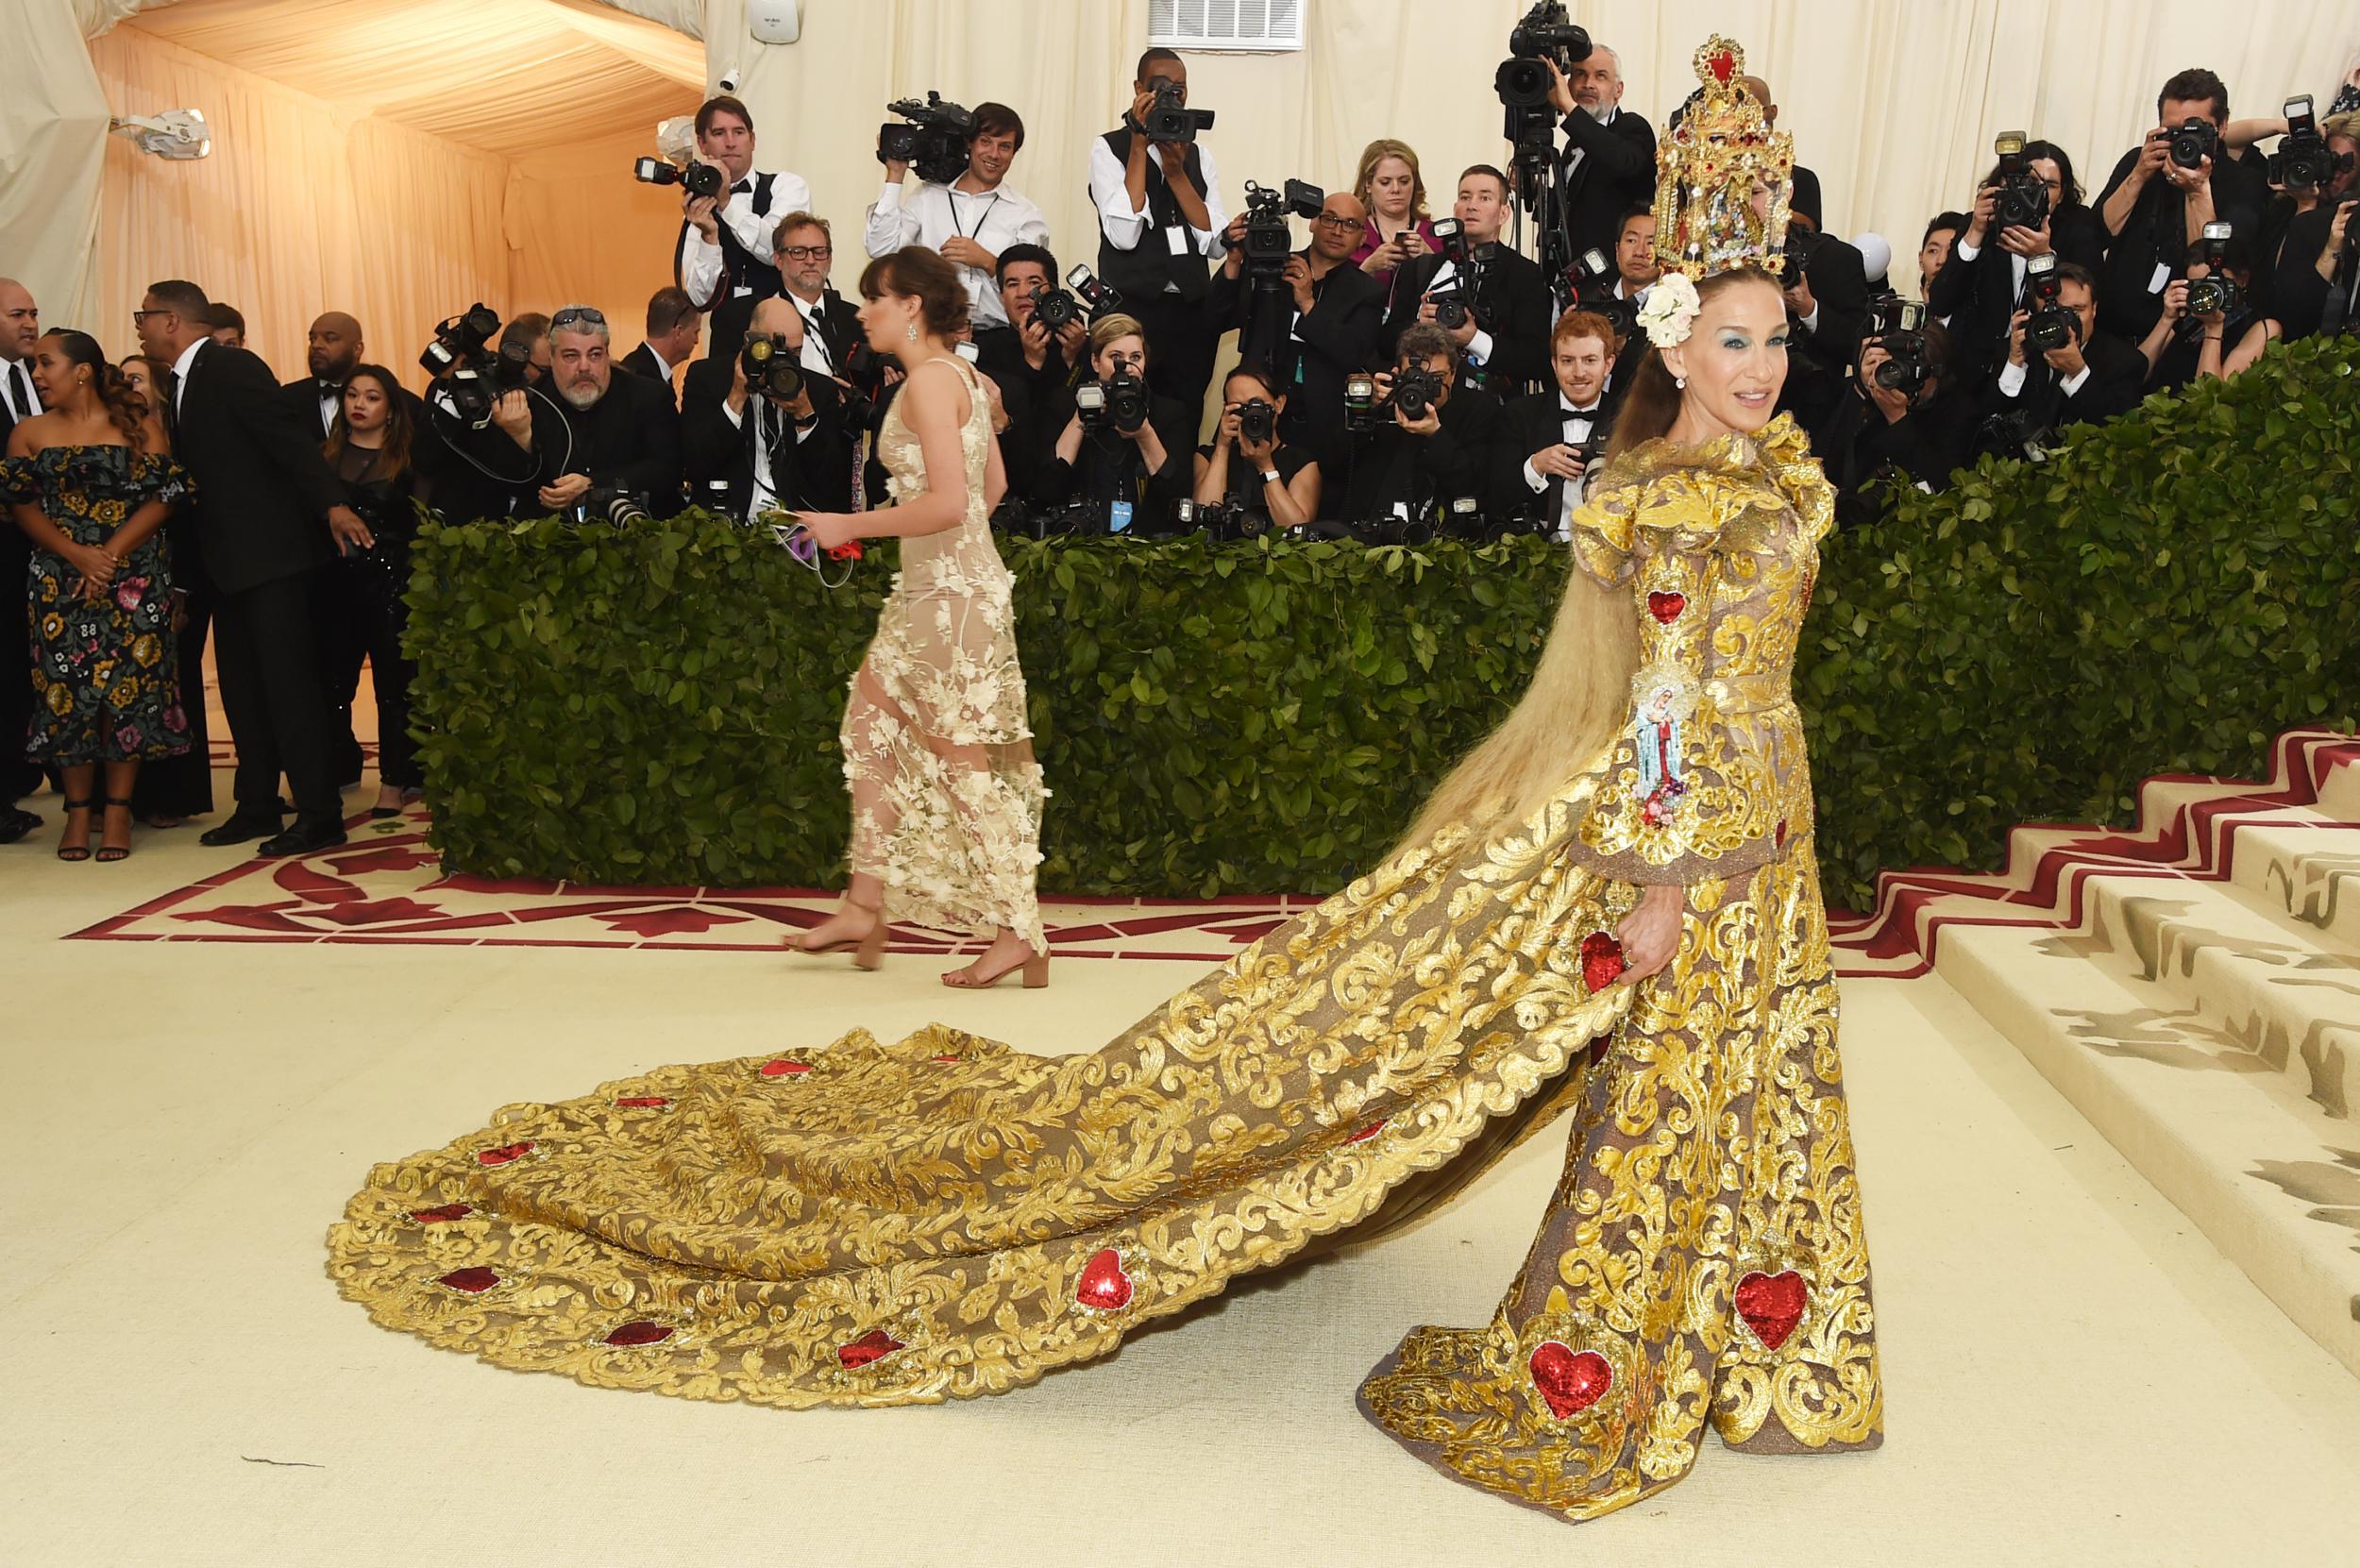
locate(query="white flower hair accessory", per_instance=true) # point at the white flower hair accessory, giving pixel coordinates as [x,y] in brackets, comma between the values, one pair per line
[1670,313]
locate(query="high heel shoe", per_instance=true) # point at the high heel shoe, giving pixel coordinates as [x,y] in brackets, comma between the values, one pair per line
[867,951]
[81,851]
[1035,964]
[109,853]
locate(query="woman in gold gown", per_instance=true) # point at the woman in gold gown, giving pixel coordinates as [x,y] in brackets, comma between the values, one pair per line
[1611,908]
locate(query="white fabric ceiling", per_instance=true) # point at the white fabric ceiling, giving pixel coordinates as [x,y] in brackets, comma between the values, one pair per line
[515,79]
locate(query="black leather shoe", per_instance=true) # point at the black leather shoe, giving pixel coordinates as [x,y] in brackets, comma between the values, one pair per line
[308,833]
[15,823]
[238,829]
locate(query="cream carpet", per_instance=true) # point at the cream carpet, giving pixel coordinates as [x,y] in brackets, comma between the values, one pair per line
[2074,1375]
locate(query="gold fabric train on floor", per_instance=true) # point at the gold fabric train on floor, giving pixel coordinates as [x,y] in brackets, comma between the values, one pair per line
[944,1217]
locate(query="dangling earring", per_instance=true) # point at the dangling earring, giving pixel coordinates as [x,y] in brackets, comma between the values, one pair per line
[910,331]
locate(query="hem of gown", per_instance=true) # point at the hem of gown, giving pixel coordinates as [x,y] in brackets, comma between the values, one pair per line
[402,1300]
[50,759]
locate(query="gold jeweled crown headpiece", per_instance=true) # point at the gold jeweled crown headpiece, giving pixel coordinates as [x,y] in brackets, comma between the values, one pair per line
[1706,170]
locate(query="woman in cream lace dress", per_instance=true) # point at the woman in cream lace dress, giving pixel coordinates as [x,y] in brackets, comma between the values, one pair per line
[937,749]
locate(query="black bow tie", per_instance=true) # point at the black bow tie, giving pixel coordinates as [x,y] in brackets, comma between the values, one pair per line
[743,188]
[330,389]
[1571,413]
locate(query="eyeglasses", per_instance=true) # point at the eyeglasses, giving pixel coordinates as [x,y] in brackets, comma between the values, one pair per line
[572,314]
[138,316]
[807,253]
[1334,220]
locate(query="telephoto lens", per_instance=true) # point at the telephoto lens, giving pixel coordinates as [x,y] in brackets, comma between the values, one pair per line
[1126,401]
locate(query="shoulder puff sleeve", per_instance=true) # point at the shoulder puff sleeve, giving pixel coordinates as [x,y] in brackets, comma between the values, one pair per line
[1686,793]
[158,478]
[18,484]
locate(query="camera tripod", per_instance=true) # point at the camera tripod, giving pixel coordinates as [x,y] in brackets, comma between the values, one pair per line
[1542,200]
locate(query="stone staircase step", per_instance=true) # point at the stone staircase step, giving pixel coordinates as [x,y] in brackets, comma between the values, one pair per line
[2309,869]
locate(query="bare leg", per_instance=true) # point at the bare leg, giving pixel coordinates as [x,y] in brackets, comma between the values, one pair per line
[115,842]
[862,905]
[81,782]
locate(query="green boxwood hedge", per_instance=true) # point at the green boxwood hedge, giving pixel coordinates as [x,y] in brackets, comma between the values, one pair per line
[658,705]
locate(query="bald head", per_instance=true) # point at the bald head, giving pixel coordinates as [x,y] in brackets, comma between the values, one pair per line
[1759,91]
[20,321]
[770,315]
[335,347]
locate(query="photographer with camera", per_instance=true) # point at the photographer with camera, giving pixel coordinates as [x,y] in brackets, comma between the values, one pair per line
[1424,439]
[1312,321]
[2164,191]
[1905,419]
[2205,314]
[1119,461]
[1490,301]
[1609,156]
[2314,174]
[1549,439]
[961,206]
[2062,369]
[1934,250]
[1160,218]
[1029,362]
[724,255]
[1827,308]
[2029,205]
[1248,471]
[774,439]
[474,469]
[617,435]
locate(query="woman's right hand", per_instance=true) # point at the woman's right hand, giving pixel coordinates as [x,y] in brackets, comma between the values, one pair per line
[96,566]
[1228,431]
[1650,934]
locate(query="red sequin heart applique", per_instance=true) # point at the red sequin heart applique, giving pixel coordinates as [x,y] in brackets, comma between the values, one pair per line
[1601,960]
[505,1152]
[1104,1285]
[1368,1132]
[1771,1304]
[1778,840]
[442,1216]
[640,1332]
[875,1345]
[1568,1381]
[1724,66]
[784,1069]
[472,1281]
[643,1102]
[1666,607]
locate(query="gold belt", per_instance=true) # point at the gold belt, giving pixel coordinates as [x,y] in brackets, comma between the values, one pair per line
[1745,694]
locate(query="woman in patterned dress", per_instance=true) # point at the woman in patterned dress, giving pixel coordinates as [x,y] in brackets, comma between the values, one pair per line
[86,484]
[938,747]
[869,1224]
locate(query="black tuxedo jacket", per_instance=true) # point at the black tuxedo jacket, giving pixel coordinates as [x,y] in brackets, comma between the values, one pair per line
[1854,443]
[1528,425]
[1390,464]
[812,475]
[642,361]
[1332,340]
[839,329]
[263,489]
[628,440]
[1512,302]
[1821,360]
[1978,298]
[1616,174]
[2116,381]
[1108,469]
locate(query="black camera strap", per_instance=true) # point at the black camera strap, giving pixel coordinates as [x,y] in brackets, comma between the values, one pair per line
[956,194]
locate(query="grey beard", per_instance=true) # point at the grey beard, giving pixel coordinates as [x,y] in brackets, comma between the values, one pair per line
[584,395]
[1600,113]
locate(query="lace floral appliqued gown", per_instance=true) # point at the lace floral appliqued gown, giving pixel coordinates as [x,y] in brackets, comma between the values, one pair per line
[877,1224]
[937,725]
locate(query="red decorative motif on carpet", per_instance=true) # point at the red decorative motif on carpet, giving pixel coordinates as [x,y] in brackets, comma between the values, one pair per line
[1772,1305]
[1570,1381]
[1104,1285]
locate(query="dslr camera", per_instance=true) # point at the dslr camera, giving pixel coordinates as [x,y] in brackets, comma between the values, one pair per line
[2193,142]
[612,504]
[1221,521]
[698,177]
[2303,160]
[1057,308]
[772,369]
[1898,326]
[1258,422]
[1268,242]
[1802,243]
[2022,197]
[1416,390]
[1589,267]
[1169,118]
[934,142]
[460,340]
[2049,324]
[2217,293]
[1119,401]
[1545,34]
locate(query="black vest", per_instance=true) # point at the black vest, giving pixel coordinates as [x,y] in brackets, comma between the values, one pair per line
[1141,272]
[740,268]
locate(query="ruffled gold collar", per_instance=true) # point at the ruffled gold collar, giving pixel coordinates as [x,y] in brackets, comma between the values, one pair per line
[1736,474]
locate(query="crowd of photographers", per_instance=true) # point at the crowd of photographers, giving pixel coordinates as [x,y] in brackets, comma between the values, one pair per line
[1403,372]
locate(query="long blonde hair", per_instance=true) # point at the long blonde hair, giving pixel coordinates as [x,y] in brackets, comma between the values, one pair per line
[1365,183]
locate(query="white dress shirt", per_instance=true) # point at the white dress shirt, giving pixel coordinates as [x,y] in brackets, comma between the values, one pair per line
[994,219]
[16,385]
[815,355]
[701,259]
[764,498]
[1126,226]
[1577,424]
[2011,380]
[180,368]
[1478,348]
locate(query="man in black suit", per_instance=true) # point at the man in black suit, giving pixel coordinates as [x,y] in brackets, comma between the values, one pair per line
[1609,156]
[2094,377]
[605,431]
[1882,432]
[1504,340]
[749,453]
[1318,327]
[1409,469]
[1827,315]
[1979,285]
[262,493]
[332,353]
[1031,365]
[20,329]
[673,325]
[1549,439]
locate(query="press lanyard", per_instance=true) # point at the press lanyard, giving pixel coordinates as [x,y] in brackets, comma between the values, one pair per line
[979,222]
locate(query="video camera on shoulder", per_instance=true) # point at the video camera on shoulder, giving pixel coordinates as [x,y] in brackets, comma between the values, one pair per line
[1547,33]
[2021,200]
[460,339]
[2217,293]
[1268,242]
[1898,326]
[1119,401]
[698,177]
[2049,325]
[934,142]
[1169,118]
[2304,160]
[771,368]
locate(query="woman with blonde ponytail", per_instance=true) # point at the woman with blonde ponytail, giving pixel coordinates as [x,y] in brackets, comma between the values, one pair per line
[1611,907]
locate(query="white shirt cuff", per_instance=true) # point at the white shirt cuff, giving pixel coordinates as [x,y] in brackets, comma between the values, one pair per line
[1479,348]
[2074,383]
[1533,478]
[1965,252]
[2011,380]
[1810,322]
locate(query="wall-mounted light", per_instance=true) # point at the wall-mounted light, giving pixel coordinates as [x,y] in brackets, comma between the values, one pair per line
[177,133]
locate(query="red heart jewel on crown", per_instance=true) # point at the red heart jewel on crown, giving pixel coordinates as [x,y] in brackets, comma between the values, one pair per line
[1104,1285]
[1724,67]
[643,1102]
[1568,1381]
[1666,607]
[505,1152]
[442,1216]
[640,1332]
[473,1281]
[1601,960]
[875,1345]
[1771,1304]
[784,1069]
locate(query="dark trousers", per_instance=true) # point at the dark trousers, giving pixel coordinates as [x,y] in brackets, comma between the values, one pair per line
[183,785]
[366,618]
[267,651]
[19,776]
[341,614]
[1181,340]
